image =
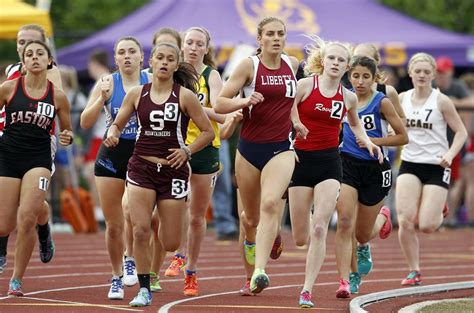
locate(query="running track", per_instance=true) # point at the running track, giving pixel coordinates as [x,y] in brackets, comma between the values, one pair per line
[77,279]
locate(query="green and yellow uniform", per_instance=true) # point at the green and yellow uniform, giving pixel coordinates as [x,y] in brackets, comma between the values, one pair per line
[205,161]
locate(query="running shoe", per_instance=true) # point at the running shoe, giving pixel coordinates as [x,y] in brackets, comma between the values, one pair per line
[259,281]
[249,249]
[190,285]
[413,279]
[343,292]
[14,288]
[177,264]
[154,282]
[3,262]
[245,291]
[445,210]
[277,248]
[354,282]
[130,277]
[116,291]
[387,226]
[305,300]
[46,247]
[364,260]
[143,298]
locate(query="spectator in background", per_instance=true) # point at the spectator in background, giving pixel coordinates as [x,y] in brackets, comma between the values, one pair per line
[458,92]
[468,159]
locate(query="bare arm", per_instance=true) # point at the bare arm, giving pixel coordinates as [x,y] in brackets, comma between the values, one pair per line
[242,75]
[294,64]
[215,87]
[54,76]
[63,111]
[302,92]
[392,95]
[6,91]
[190,105]
[231,121]
[452,118]
[129,105]
[100,93]
[400,137]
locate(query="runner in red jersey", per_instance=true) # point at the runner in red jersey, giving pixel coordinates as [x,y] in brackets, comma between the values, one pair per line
[158,172]
[320,106]
[264,161]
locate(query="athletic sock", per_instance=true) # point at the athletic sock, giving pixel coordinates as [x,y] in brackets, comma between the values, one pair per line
[144,280]
[43,231]
[3,245]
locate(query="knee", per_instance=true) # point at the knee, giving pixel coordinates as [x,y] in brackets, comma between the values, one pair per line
[197,221]
[155,223]
[269,205]
[114,230]
[250,221]
[319,231]
[26,222]
[141,232]
[300,239]
[173,244]
[363,238]
[5,230]
[428,228]
[405,222]
[345,224]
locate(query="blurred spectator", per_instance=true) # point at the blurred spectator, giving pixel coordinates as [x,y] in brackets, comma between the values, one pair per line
[459,94]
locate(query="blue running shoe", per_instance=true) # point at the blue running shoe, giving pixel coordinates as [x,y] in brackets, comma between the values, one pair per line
[305,300]
[130,277]
[143,298]
[364,260]
[259,281]
[116,291]
[14,288]
[354,282]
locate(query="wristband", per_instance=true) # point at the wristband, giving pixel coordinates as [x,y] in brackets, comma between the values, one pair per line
[187,151]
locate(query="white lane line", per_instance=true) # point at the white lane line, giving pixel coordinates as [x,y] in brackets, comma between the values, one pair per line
[165,308]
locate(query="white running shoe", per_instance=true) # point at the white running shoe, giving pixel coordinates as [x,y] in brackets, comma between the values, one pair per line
[116,289]
[130,277]
[143,298]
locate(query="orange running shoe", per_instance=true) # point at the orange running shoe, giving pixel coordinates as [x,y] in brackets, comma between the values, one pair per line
[277,248]
[175,267]
[190,285]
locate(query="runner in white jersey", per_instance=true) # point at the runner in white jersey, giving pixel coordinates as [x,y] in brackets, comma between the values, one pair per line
[422,184]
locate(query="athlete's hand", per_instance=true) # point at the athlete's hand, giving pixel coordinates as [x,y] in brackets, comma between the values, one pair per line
[237,116]
[446,160]
[105,86]
[374,150]
[66,137]
[177,158]
[113,136]
[301,130]
[255,98]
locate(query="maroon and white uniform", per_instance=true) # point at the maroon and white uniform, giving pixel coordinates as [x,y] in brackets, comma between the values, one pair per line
[162,126]
[269,121]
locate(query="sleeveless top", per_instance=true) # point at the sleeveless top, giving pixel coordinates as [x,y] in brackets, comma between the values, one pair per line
[113,104]
[204,99]
[323,117]
[374,124]
[426,129]
[269,121]
[162,125]
[29,121]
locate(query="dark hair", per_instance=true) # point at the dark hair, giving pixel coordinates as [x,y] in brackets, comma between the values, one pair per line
[128,38]
[185,75]
[264,22]
[42,43]
[100,56]
[168,31]
[364,61]
[35,27]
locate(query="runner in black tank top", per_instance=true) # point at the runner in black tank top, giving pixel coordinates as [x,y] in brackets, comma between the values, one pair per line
[31,104]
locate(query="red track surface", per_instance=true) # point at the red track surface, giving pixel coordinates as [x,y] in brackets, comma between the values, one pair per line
[77,279]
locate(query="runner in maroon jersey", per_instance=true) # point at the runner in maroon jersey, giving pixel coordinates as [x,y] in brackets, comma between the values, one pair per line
[25,34]
[31,103]
[158,172]
[264,161]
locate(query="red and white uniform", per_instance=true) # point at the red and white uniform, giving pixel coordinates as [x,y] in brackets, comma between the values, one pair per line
[269,121]
[323,117]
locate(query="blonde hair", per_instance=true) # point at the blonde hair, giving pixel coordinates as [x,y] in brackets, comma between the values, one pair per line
[209,56]
[379,77]
[316,52]
[422,57]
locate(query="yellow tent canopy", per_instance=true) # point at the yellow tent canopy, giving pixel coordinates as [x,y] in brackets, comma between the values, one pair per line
[15,13]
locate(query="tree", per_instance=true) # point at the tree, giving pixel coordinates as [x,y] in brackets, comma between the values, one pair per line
[454,15]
